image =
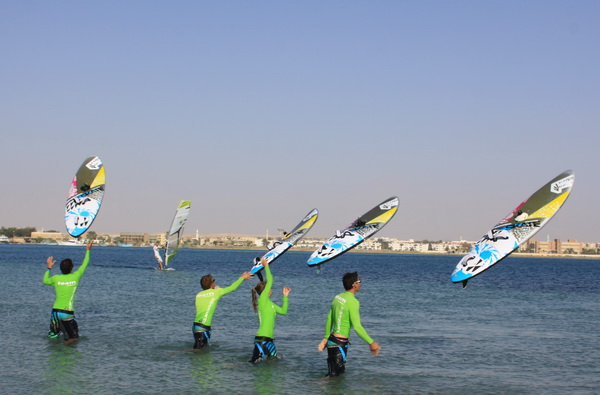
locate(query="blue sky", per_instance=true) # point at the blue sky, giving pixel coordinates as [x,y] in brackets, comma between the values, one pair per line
[259,111]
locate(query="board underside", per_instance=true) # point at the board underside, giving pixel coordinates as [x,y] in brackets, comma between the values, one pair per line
[516,228]
[85,196]
[360,230]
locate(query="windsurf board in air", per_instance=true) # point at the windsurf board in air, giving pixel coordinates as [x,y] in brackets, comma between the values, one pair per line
[515,229]
[175,232]
[360,230]
[85,196]
[288,241]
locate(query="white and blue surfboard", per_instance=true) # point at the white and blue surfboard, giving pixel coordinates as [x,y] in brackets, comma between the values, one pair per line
[85,196]
[360,230]
[515,229]
[279,247]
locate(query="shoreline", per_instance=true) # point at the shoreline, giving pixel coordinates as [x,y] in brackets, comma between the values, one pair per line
[434,253]
[353,251]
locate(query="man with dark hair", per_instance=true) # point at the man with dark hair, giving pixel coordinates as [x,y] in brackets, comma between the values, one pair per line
[344,314]
[65,285]
[206,304]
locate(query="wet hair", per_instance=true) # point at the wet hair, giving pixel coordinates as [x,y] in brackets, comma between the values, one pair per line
[207,281]
[66,265]
[256,291]
[349,279]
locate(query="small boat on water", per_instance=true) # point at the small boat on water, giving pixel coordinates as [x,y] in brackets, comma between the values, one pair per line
[72,243]
[4,239]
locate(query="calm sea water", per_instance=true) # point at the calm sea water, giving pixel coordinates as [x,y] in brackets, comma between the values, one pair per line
[527,325]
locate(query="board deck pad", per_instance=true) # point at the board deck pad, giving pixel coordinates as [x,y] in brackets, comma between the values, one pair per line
[360,230]
[516,228]
[85,196]
[288,241]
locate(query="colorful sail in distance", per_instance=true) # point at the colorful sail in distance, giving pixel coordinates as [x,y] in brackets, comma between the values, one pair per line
[176,231]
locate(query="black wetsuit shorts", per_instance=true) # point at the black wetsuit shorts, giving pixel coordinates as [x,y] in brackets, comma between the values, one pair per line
[63,321]
[337,351]
[264,347]
[201,334]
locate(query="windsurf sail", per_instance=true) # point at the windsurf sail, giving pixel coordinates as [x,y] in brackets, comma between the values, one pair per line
[176,231]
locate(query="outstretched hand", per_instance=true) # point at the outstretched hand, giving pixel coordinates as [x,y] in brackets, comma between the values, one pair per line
[286,291]
[246,276]
[50,262]
[264,262]
[89,245]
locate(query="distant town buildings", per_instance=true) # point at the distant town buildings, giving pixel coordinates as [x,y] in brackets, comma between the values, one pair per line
[230,240]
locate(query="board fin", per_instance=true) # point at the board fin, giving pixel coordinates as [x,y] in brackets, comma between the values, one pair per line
[464,283]
[260,276]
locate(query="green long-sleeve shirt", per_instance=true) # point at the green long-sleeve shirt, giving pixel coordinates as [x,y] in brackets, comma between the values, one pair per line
[344,314]
[65,285]
[206,301]
[267,310]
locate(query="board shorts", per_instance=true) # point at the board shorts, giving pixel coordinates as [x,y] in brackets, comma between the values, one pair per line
[201,335]
[264,347]
[337,351]
[63,321]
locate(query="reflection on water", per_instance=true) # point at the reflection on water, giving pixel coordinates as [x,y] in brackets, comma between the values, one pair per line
[204,370]
[62,368]
[268,377]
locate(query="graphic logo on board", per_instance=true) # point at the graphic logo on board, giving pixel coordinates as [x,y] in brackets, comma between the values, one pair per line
[94,164]
[558,186]
[389,205]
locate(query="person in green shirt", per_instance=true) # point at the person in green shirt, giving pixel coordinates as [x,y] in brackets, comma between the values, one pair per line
[344,314]
[65,285]
[264,344]
[206,304]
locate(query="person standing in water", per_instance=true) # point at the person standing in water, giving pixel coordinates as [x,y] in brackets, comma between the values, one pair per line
[264,344]
[206,304]
[65,285]
[156,249]
[344,314]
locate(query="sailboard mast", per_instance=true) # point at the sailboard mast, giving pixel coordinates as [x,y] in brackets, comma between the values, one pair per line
[175,232]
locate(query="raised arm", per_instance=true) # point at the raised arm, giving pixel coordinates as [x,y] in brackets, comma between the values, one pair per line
[79,272]
[49,264]
[284,307]
[269,277]
[237,283]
